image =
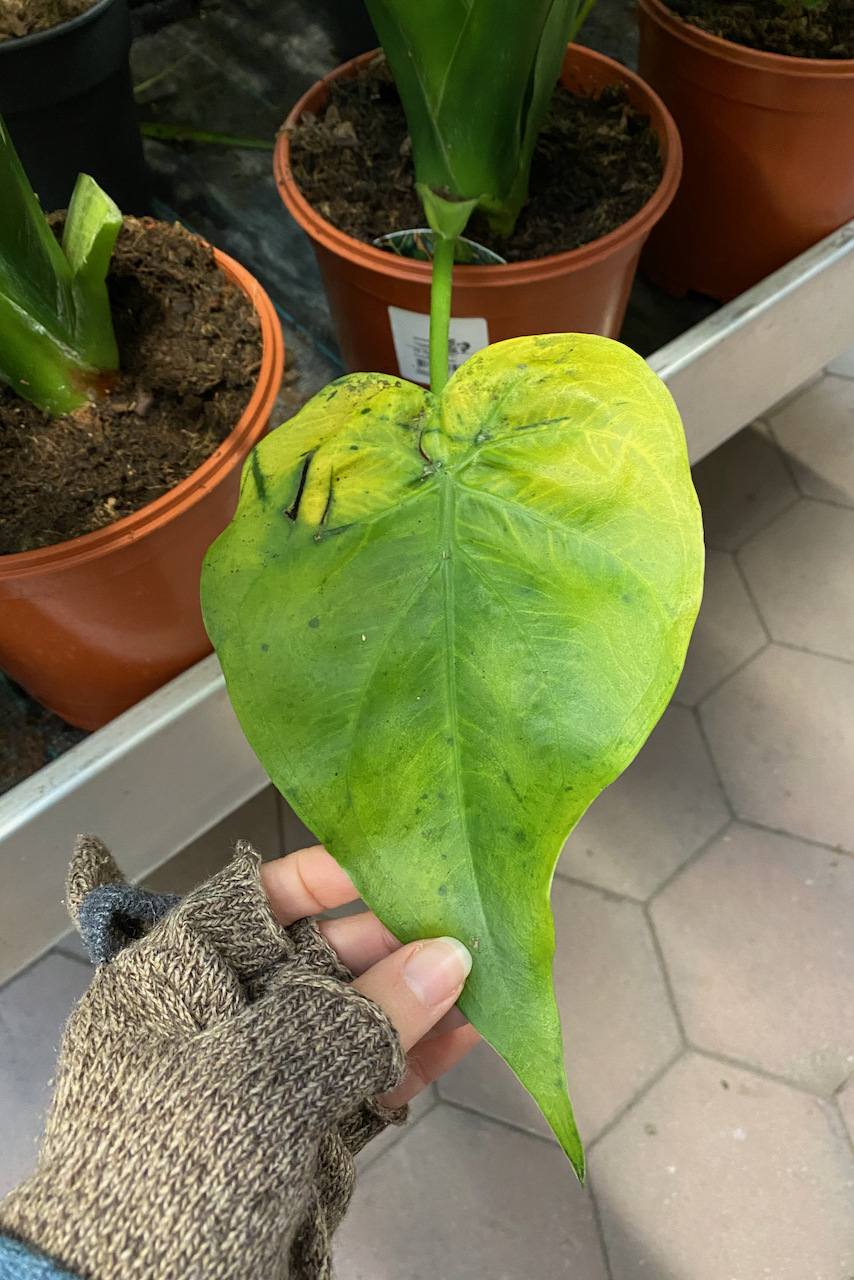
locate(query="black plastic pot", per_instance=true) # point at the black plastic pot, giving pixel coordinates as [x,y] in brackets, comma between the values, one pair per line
[349,24]
[147,16]
[67,99]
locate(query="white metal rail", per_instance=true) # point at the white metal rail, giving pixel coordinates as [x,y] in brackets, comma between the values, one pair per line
[176,764]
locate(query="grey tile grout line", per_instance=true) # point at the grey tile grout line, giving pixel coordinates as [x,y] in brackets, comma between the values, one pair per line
[597,1220]
[469,1110]
[614,895]
[813,653]
[828,502]
[689,861]
[745,662]
[715,770]
[793,835]
[750,595]
[778,515]
[785,460]
[404,1131]
[793,396]
[709,1055]
[712,546]
[611,895]
[695,706]
[636,1099]
[726,1060]
[665,975]
[69,955]
[835,1110]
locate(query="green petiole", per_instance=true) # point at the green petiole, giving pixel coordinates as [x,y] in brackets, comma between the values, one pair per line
[440,311]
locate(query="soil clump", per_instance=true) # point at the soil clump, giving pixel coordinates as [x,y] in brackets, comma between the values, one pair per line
[190,351]
[791,29]
[26,17]
[596,164]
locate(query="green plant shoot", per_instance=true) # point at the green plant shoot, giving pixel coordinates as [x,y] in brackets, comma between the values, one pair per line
[56,330]
[475,78]
[447,622]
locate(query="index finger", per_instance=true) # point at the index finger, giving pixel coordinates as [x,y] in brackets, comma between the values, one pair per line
[305,883]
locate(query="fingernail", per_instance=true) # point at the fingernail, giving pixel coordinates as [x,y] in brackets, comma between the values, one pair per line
[437,970]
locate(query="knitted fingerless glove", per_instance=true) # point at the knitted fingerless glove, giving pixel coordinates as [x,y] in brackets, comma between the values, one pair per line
[213,1086]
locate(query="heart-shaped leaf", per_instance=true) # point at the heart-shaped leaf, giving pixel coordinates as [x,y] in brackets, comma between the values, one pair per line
[447,623]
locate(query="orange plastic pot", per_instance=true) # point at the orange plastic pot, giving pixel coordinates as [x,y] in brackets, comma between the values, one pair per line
[92,625]
[769,155]
[585,290]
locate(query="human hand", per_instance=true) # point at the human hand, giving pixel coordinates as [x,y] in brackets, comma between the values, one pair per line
[416,985]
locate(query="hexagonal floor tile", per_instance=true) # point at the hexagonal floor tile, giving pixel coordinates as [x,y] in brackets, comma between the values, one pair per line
[618,1027]
[843,364]
[653,818]
[718,1174]
[782,735]
[727,631]
[816,431]
[801,572]
[741,487]
[33,1011]
[846,1106]
[256,821]
[758,940]
[463,1198]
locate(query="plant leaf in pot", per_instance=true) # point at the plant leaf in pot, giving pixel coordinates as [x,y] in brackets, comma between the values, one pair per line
[114,482]
[379,302]
[54,310]
[446,622]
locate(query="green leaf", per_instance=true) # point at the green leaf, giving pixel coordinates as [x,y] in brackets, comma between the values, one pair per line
[56,334]
[446,623]
[91,227]
[183,133]
[475,78]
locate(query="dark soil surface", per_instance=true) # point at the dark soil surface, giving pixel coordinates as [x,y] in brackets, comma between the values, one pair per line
[824,32]
[596,164]
[25,17]
[190,350]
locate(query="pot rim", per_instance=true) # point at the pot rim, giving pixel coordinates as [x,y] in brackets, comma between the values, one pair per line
[741,55]
[191,490]
[14,43]
[366,255]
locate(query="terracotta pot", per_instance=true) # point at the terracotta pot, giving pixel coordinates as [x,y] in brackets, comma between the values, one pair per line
[92,625]
[769,155]
[585,290]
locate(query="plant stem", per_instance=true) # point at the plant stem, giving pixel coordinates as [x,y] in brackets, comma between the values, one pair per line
[180,133]
[440,310]
[580,19]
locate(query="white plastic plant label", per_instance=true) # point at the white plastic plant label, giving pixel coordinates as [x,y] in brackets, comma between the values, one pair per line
[411,333]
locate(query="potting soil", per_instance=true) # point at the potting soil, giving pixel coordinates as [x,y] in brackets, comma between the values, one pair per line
[25,17]
[596,164]
[824,32]
[190,351]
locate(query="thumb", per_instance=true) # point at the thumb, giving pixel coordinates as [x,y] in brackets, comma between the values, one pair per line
[417,985]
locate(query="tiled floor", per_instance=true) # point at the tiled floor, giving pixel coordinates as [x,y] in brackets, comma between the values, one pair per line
[705,965]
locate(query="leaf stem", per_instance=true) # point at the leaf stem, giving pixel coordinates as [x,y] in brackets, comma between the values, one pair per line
[440,310]
[580,19]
